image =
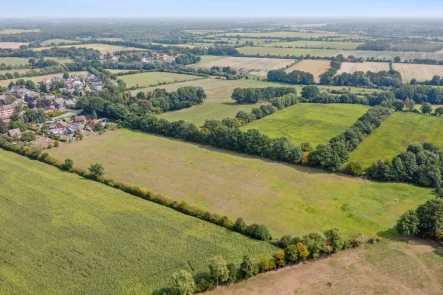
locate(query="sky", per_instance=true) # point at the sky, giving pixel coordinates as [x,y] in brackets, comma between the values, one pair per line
[223,8]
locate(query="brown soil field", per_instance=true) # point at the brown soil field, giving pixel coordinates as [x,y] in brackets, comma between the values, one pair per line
[352,67]
[11,45]
[315,67]
[251,65]
[419,72]
[393,267]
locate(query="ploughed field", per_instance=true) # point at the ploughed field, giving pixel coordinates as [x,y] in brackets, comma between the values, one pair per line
[288,199]
[313,123]
[63,234]
[418,72]
[313,66]
[395,134]
[352,67]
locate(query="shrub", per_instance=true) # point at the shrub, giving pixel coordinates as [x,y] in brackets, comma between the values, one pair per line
[279,258]
[291,254]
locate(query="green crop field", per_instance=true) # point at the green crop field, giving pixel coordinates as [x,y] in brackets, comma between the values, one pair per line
[63,234]
[58,41]
[395,134]
[207,58]
[317,44]
[37,79]
[263,51]
[154,78]
[314,123]
[14,61]
[288,199]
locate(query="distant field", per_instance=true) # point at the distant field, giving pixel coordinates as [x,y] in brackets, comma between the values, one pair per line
[20,71]
[385,268]
[285,34]
[58,41]
[61,60]
[313,66]
[207,58]
[11,45]
[263,51]
[395,134]
[18,31]
[418,72]
[352,67]
[203,32]
[288,199]
[37,79]
[251,65]
[118,71]
[314,123]
[14,61]
[317,44]
[154,78]
[98,46]
[110,39]
[63,234]
[389,55]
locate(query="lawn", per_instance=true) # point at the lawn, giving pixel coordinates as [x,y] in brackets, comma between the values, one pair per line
[263,51]
[288,199]
[154,78]
[314,123]
[14,61]
[58,41]
[37,79]
[63,234]
[395,134]
[317,44]
[385,268]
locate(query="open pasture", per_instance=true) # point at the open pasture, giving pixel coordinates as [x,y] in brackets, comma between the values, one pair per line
[313,66]
[352,67]
[17,31]
[65,234]
[96,46]
[317,44]
[251,65]
[396,134]
[415,268]
[288,199]
[14,61]
[154,78]
[37,79]
[263,51]
[57,42]
[11,45]
[313,123]
[418,72]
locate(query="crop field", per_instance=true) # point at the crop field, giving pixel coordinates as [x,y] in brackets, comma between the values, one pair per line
[207,58]
[352,67]
[98,46]
[313,66]
[116,71]
[14,61]
[37,79]
[17,31]
[384,268]
[314,123]
[154,78]
[251,65]
[288,199]
[286,34]
[317,44]
[64,234]
[12,71]
[389,55]
[11,45]
[263,51]
[58,41]
[395,134]
[418,72]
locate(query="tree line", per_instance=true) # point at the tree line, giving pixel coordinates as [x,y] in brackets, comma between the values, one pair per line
[294,77]
[389,78]
[335,65]
[252,95]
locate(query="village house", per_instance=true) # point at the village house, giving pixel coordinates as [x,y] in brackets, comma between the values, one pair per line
[80,119]
[8,110]
[102,122]
[15,133]
[59,103]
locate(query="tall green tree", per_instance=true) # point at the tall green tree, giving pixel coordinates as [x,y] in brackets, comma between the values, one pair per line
[218,269]
[182,283]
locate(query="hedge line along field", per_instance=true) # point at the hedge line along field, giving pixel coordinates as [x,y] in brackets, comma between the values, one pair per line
[37,79]
[317,44]
[314,66]
[154,78]
[58,41]
[251,65]
[288,199]
[352,67]
[419,72]
[82,237]
[314,123]
[395,134]
[263,51]
[415,268]
[14,61]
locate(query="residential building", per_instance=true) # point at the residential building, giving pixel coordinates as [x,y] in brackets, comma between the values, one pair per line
[8,110]
[80,119]
[15,133]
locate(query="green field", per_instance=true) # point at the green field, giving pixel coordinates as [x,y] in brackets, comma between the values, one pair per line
[104,48]
[18,31]
[37,79]
[14,61]
[20,71]
[154,78]
[61,60]
[263,51]
[395,134]
[206,58]
[317,44]
[288,199]
[63,234]
[58,41]
[314,123]
[314,34]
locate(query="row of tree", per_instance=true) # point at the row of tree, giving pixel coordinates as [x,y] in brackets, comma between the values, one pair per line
[420,93]
[369,79]
[294,77]
[335,65]
[253,95]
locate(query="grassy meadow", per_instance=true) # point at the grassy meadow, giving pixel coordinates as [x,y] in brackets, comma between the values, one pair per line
[314,123]
[97,46]
[63,234]
[263,51]
[14,61]
[288,199]
[395,134]
[154,78]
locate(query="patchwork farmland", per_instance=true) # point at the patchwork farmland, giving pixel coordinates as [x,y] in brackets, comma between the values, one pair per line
[390,55]
[313,34]
[154,78]
[288,199]
[352,67]
[419,72]
[317,44]
[395,134]
[263,51]
[104,48]
[86,238]
[253,66]
[314,123]
[313,66]
[14,61]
